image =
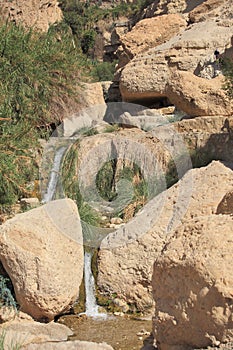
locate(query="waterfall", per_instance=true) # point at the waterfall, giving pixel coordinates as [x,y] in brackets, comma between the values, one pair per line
[91,304]
[54,176]
[92,309]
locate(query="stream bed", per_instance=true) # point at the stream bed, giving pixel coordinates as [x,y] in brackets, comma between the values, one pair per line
[122,333]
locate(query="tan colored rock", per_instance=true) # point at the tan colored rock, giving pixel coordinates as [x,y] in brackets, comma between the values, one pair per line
[209,9]
[70,345]
[41,250]
[226,204]
[207,98]
[92,94]
[149,33]
[146,76]
[26,332]
[39,14]
[193,285]
[126,256]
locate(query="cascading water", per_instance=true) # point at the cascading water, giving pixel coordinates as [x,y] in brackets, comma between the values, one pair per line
[54,175]
[91,304]
[92,309]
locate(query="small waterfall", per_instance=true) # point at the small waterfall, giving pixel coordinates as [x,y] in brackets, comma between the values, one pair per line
[54,176]
[92,309]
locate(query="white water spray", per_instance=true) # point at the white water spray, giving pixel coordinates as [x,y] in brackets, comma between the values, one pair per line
[54,176]
[92,309]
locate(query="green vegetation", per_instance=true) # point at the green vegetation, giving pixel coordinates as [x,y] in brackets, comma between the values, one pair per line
[13,346]
[108,176]
[227,67]
[6,297]
[36,70]
[71,188]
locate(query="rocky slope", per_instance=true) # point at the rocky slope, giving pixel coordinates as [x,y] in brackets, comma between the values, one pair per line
[155,76]
[126,257]
[38,14]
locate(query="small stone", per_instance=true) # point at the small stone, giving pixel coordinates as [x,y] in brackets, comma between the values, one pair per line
[116,221]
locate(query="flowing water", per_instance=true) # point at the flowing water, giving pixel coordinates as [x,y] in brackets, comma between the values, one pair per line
[54,176]
[92,309]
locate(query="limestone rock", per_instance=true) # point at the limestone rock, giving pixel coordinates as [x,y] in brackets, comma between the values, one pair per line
[92,94]
[208,97]
[193,285]
[26,332]
[126,256]
[29,203]
[209,9]
[70,345]
[41,250]
[146,77]
[38,14]
[160,7]
[148,33]
[226,204]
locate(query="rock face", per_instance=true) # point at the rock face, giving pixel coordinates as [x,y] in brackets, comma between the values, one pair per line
[126,256]
[42,252]
[148,33]
[193,284]
[148,77]
[181,93]
[38,14]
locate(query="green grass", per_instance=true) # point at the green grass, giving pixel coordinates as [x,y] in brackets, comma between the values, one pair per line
[12,346]
[36,70]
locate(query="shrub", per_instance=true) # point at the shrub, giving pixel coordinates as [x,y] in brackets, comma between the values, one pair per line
[35,70]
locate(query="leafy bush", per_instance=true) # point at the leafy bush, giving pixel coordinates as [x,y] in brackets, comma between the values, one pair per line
[103,71]
[227,67]
[35,70]
[6,297]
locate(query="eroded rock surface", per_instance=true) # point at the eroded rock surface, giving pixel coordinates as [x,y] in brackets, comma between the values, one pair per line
[70,345]
[39,14]
[126,257]
[193,284]
[42,252]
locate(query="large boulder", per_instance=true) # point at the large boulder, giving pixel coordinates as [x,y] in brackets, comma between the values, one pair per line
[148,33]
[126,256]
[193,285]
[39,14]
[208,97]
[147,76]
[42,252]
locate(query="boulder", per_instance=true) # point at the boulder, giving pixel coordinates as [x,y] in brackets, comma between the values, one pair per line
[147,77]
[148,33]
[70,345]
[41,250]
[127,255]
[92,94]
[208,97]
[24,333]
[209,9]
[193,285]
[160,7]
[39,14]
